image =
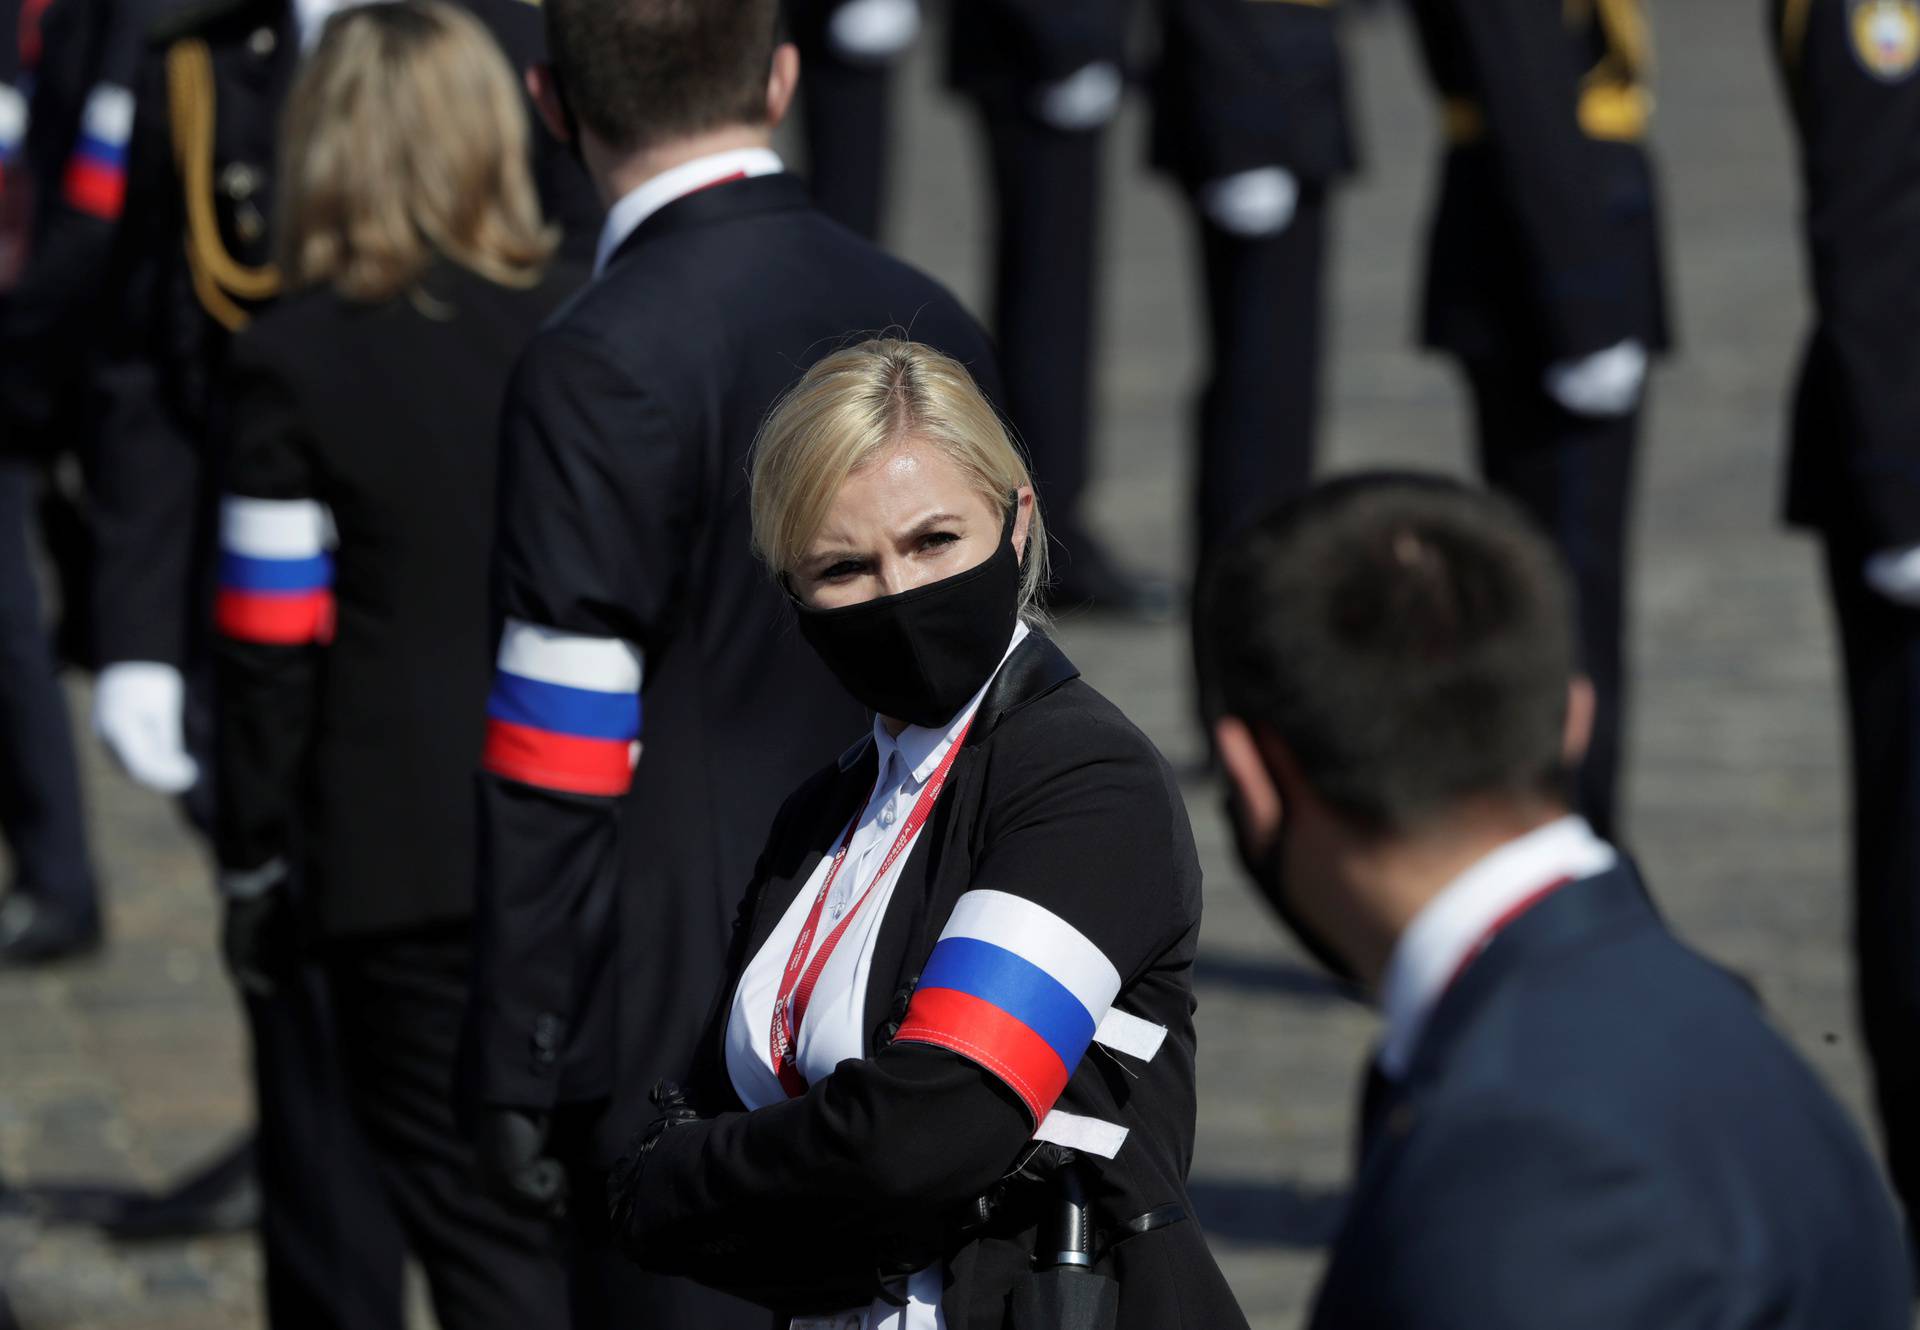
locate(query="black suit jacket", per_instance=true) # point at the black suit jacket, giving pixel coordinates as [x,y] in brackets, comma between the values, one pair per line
[1599,1130]
[1545,240]
[1057,799]
[156,394]
[357,754]
[624,516]
[1855,465]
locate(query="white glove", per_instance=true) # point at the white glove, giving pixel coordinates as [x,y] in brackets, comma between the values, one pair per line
[1606,383]
[1251,204]
[873,31]
[1895,574]
[1084,99]
[138,707]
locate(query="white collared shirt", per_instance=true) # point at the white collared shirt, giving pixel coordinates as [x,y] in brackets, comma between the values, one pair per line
[1447,930]
[835,1028]
[649,197]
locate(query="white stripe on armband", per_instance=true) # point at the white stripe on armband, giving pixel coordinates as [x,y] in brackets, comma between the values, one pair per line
[572,660]
[1088,1135]
[1126,1033]
[274,528]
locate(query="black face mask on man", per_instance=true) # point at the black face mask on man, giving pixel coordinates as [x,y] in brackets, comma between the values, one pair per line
[919,655]
[1268,869]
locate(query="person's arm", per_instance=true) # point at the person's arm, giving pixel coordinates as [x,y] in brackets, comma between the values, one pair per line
[273,614]
[1503,1216]
[1530,89]
[144,474]
[1073,898]
[597,500]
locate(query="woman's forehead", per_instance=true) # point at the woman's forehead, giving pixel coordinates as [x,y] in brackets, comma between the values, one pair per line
[901,484]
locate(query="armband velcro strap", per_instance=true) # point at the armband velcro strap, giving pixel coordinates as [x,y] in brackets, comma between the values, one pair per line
[564,713]
[276,576]
[1016,988]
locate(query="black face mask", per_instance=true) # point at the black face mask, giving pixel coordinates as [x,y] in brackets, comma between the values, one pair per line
[920,655]
[1269,874]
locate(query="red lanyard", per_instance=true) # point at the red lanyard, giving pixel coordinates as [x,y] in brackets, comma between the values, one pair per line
[1507,916]
[799,987]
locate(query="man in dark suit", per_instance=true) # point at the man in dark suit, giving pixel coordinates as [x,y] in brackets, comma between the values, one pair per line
[1544,281]
[1572,1119]
[1853,76]
[608,877]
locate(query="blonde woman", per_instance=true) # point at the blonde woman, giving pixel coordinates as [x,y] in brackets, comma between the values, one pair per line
[352,609]
[952,1080]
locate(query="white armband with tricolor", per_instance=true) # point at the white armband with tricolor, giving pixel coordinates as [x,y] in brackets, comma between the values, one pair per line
[1015,988]
[564,713]
[95,181]
[276,571]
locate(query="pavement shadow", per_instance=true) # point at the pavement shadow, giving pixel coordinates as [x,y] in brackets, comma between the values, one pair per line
[1284,978]
[1270,1214]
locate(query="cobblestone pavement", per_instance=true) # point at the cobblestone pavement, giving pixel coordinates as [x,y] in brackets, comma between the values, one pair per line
[128,1068]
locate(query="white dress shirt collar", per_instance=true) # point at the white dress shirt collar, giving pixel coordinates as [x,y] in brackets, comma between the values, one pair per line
[921,747]
[1447,930]
[649,197]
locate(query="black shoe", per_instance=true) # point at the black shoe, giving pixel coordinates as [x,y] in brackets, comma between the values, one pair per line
[1085,577]
[222,1197]
[31,934]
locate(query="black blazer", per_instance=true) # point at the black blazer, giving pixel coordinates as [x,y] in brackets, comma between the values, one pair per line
[1599,1130]
[1545,242]
[1855,468]
[624,516]
[1055,798]
[365,748]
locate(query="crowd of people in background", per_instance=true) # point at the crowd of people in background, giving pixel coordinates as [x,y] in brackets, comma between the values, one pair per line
[423,396]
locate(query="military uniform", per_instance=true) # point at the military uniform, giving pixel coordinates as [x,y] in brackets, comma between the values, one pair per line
[1852,70]
[1544,250]
[191,267]
[848,49]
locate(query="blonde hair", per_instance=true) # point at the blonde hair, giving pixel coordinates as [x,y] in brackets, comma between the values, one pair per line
[858,404]
[405,135]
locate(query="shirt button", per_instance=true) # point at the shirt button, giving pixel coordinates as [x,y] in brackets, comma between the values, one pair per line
[887,814]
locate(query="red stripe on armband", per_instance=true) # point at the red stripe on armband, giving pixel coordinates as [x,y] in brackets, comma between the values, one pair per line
[557,761]
[983,1033]
[289,619]
[96,189]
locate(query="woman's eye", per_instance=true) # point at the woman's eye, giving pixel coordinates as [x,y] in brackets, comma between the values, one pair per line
[936,539]
[845,568]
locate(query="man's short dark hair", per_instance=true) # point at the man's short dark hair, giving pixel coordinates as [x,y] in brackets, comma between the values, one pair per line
[642,72]
[1409,639]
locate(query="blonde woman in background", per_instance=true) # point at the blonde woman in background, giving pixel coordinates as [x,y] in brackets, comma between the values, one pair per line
[352,611]
[904,1122]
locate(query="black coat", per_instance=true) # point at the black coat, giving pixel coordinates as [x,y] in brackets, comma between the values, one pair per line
[1244,84]
[1855,464]
[624,516]
[357,755]
[1599,1130]
[1057,799]
[1001,51]
[158,391]
[1545,241]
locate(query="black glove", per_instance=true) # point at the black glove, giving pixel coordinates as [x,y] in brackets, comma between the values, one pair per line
[260,941]
[511,1150]
[623,1180]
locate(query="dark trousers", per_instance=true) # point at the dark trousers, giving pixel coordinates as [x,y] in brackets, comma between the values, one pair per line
[1574,474]
[332,1250]
[1261,403]
[609,1291]
[399,1001]
[40,809]
[848,137]
[1880,649]
[1046,185]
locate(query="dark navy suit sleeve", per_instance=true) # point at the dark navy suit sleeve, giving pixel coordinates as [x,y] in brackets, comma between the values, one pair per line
[598,494]
[1502,1216]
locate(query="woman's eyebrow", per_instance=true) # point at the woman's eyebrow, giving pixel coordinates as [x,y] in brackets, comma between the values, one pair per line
[928,523]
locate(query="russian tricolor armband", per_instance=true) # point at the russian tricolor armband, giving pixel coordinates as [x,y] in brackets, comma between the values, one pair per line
[1015,988]
[564,713]
[276,574]
[96,177]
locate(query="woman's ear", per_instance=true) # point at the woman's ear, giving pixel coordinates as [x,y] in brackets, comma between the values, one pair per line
[1022,520]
